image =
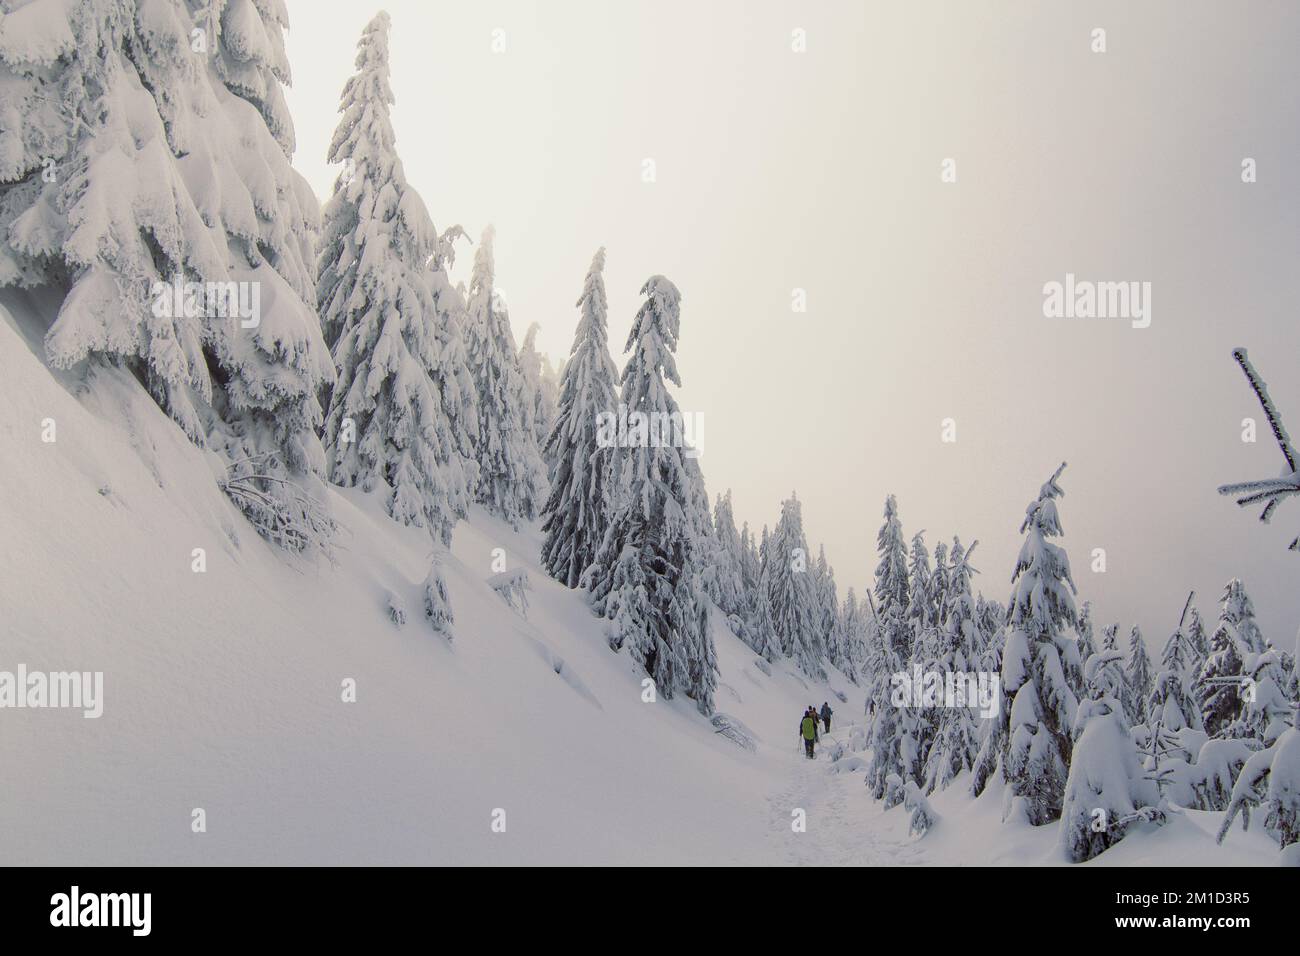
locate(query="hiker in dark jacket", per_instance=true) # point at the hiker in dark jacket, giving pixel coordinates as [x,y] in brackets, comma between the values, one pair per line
[808,731]
[826,715]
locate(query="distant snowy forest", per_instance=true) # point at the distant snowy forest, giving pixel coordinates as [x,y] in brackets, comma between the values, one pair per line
[145,143]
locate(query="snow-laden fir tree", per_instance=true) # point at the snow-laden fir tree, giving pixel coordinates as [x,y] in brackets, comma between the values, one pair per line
[763,631]
[645,579]
[1137,686]
[391,419]
[892,592]
[542,385]
[1223,680]
[1036,754]
[1106,792]
[143,148]
[924,600]
[751,567]
[1110,637]
[992,734]
[892,726]
[1198,640]
[828,629]
[1172,701]
[956,732]
[512,479]
[1086,643]
[789,593]
[921,600]
[939,586]
[582,489]
[724,577]
[851,644]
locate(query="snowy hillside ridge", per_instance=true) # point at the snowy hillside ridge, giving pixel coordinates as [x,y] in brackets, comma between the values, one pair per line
[236,706]
[367,580]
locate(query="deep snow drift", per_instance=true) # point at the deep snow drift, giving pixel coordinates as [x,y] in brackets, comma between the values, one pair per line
[223,690]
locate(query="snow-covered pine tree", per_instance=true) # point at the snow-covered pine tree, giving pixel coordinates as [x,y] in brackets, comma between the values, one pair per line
[956,734]
[582,488]
[1110,638]
[851,645]
[922,600]
[1172,702]
[924,603]
[892,591]
[512,478]
[1036,754]
[892,729]
[540,384]
[1106,792]
[751,566]
[763,632]
[724,577]
[789,593]
[1198,640]
[939,586]
[828,631]
[387,425]
[645,578]
[1138,674]
[1222,681]
[1086,643]
[135,158]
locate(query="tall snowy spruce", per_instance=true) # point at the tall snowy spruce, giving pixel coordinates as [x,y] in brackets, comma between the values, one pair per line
[541,384]
[892,588]
[145,176]
[645,579]
[1138,673]
[922,603]
[828,608]
[792,612]
[956,732]
[851,645]
[724,577]
[892,725]
[511,478]
[387,426]
[581,500]
[1036,751]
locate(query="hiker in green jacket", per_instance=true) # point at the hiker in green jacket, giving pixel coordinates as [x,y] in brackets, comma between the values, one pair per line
[808,731]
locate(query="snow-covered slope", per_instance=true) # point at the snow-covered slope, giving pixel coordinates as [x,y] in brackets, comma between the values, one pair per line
[224,689]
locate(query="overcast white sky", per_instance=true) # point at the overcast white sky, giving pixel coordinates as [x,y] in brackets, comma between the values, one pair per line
[820,170]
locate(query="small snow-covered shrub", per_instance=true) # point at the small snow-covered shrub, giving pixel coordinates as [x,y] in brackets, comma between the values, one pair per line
[850,763]
[857,739]
[513,587]
[437,605]
[923,816]
[279,509]
[396,607]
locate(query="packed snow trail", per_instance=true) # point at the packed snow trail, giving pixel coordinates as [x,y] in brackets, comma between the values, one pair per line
[838,816]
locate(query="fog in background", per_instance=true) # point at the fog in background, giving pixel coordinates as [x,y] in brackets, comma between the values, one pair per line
[820,170]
